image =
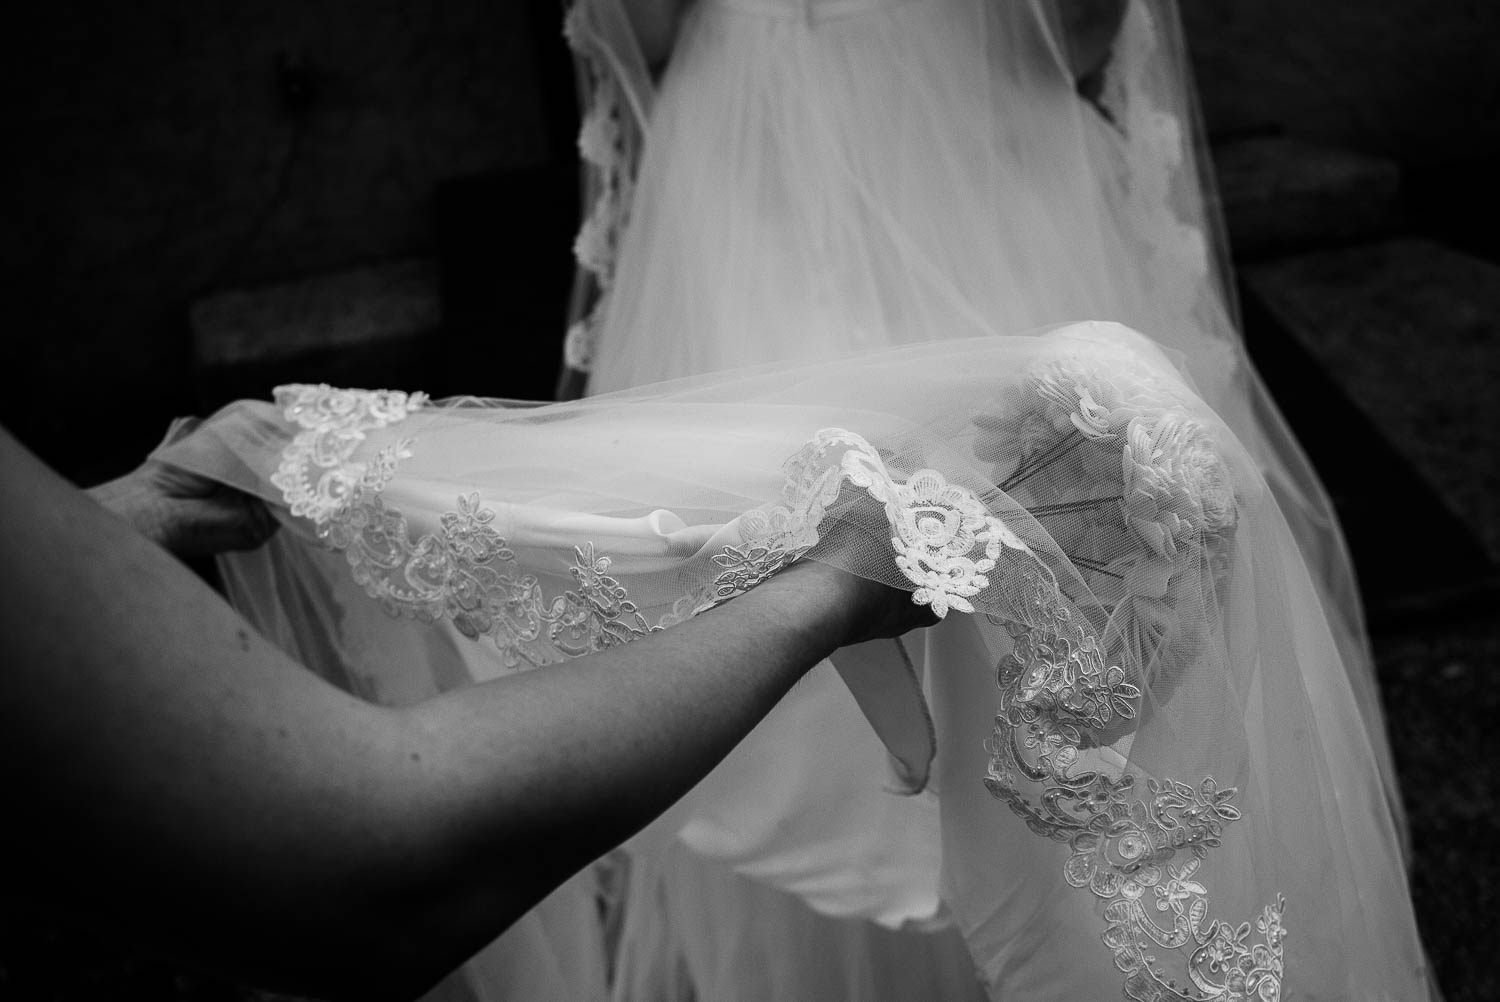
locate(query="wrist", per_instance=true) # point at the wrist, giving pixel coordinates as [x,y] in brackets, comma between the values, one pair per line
[816,600]
[121,498]
[129,499]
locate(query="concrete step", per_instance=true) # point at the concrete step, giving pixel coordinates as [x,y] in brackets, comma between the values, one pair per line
[1282,194]
[1406,331]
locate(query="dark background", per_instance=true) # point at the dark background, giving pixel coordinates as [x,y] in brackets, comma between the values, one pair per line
[404,172]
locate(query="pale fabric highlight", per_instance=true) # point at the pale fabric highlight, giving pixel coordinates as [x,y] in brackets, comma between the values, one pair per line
[815,176]
[1173,743]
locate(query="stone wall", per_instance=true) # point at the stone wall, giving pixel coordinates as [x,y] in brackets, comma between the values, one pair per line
[1417,82]
[165,148]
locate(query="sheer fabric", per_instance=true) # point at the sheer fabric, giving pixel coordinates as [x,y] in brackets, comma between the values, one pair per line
[886,171]
[1152,772]
[1177,620]
[816,176]
[865,173]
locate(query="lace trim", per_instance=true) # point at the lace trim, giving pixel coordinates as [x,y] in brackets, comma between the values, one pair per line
[607,146]
[465,570]
[945,539]
[317,475]
[1061,696]
[1128,850]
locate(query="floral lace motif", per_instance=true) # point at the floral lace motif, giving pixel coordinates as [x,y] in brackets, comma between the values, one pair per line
[317,474]
[1061,695]
[1140,853]
[938,526]
[1139,856]
[465,570]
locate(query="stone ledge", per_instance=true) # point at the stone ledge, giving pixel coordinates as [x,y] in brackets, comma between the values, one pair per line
[1282,194]
[1407,329]
[345,310]
[379,325]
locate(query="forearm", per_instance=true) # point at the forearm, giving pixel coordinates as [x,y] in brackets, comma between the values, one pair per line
[598,747]
[162,751]
[178,775]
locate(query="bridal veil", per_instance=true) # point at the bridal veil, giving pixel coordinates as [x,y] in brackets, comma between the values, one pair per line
[1141,757]
[1151,773]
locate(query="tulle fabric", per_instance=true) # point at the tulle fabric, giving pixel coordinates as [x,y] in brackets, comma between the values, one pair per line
[875,172]
[1189,755]
[820,176]
[866,173]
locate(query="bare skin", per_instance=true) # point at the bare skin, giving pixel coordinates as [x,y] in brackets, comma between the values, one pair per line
[281,830]
[186,514]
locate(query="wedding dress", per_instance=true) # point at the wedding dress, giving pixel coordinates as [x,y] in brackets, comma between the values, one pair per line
[815,176]
[1151,773]
[1140,758]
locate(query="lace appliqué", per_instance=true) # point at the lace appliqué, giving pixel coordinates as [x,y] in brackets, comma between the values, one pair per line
[1062,698]
[939,527]
[464,571]
[943,537]
[1139,856]
[945,540]
[317,474]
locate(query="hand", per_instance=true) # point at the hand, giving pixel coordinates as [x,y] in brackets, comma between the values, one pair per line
[188,515]
[868,609]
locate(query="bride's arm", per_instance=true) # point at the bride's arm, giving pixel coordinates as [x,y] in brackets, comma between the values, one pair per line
[164,763]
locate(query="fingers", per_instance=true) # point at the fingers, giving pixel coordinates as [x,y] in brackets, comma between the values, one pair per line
[225,521]
[189,515]
[173,482]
